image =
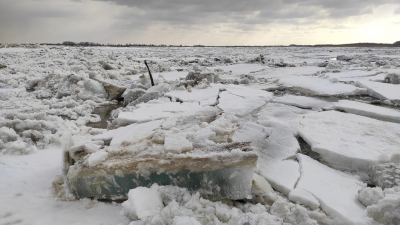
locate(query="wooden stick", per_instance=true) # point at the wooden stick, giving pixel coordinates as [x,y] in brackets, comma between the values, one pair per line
[151,77]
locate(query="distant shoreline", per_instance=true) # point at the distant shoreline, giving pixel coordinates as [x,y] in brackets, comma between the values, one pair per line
[91,44]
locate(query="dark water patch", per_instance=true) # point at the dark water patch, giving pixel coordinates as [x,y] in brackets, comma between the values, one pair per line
[104,112]
[305,149]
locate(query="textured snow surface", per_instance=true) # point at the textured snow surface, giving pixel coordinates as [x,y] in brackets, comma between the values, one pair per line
[321,87]
[259,100]
[349,141]
[177,143]
[27,197]
[207,95]
[363,109]
[133,133]
[96,158]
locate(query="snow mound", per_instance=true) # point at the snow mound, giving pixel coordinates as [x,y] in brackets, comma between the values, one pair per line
[178,206]
[386,210]
[143,202]
[369,196]
[386,174]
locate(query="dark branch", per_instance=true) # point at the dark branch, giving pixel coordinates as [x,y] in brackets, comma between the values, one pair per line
[151,77]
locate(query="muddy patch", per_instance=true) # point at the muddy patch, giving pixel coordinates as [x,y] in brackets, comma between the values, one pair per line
[104,112]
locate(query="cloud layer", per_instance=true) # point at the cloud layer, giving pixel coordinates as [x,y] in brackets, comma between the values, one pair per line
[251,22]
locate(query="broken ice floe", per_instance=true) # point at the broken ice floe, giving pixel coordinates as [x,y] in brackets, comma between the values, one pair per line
[335,191]
[304,102]
[348,141]
[363,109]
[382,91]
[114,177]
[321,87]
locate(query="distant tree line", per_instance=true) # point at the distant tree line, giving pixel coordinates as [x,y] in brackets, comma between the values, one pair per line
[89,44]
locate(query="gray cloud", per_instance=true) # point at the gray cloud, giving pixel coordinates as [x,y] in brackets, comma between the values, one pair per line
[97,20]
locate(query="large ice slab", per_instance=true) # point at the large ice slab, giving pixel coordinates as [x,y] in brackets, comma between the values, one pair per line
[363,109]
[215,175]
[320,86]
[382,91]
[303,102]
[336,191]
[348,141]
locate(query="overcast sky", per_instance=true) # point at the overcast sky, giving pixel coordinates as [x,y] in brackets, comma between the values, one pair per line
[207,22]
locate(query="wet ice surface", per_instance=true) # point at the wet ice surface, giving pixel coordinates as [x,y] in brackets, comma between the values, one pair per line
[322,122]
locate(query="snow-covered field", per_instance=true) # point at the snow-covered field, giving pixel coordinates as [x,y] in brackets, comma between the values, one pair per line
[250,135]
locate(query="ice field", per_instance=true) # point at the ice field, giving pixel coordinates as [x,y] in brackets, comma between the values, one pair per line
[243,135]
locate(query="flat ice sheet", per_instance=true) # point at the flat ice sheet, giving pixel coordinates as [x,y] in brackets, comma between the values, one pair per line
[382,91]
[368,110]
[288,72]
[336,191]
[320,86]
[155,111]
[349,141]
[353,73]
[281,174]
[303,102]
[240,68]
